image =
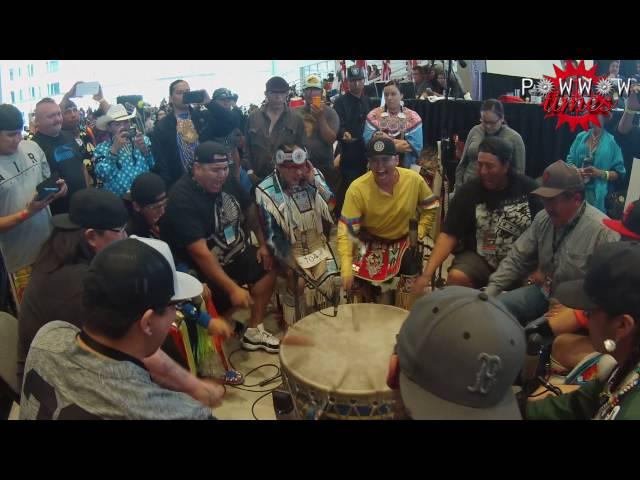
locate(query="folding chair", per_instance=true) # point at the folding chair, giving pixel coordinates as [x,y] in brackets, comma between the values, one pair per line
[9,388]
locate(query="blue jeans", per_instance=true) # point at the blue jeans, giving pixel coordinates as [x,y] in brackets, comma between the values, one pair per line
[525,303]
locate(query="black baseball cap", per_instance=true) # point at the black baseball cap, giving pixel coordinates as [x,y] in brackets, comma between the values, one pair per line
[222,94]
[70,105]
[137,274]
[611,283]
[355,72]
[381,145]
[629,226]
[10,118]
[212,152]
[277,84]
[93,208]
[148,188]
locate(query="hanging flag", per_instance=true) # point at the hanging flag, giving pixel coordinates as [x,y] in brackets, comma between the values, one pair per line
[363,65]
[410,65]
[386,70]
[343,76]
[478,67]
[335,87]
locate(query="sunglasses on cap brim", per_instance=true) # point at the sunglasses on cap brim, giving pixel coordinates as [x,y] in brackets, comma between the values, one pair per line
[298,156]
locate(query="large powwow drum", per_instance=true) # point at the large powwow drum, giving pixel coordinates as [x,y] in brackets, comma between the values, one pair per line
[336,367]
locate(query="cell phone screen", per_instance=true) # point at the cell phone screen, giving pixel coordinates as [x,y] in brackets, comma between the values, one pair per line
[45,192]
[50,182]
[196,96]
[87,88]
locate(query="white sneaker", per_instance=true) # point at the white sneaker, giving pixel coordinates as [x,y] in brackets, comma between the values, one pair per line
[256,338]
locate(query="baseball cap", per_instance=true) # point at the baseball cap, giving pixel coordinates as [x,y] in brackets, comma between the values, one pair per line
[459,352]
[92,208]
[354,72]
[312,81]
[557,178]
[146,189]
[611,282]
[211,152]
[70,105]
[277,84]
[139,273]
[222,94]
[381,145]
[10,118]
[629,226]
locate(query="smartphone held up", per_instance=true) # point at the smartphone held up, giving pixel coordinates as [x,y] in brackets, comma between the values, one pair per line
[48,187]
[85,89]
[197,96]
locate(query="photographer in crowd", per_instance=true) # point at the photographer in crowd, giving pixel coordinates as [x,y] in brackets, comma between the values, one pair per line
[126,155]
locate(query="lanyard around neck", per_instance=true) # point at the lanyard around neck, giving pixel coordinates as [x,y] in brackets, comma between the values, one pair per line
[567,230]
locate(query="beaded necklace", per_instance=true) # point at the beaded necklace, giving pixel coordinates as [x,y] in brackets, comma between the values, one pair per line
[187,140]
[610,406]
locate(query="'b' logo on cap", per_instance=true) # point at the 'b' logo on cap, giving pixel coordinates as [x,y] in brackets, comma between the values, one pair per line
[486,377]
[378,146]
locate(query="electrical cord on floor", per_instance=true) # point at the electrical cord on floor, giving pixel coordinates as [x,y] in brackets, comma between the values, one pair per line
[255,402]
[248,388]
[262,383]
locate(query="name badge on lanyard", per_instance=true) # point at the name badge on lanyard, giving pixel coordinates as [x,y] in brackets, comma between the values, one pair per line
[229,234]
[487,245]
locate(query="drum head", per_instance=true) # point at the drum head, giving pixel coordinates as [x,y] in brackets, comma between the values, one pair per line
[349,354]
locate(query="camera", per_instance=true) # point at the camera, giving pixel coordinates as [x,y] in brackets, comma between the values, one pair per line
[133,132]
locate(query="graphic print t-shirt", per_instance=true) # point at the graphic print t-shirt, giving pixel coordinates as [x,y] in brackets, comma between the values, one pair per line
[490,222]
[63,156]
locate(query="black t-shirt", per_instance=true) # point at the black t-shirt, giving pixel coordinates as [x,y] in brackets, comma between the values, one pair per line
[63,155]
[193,214]
[51,295]
[352,112]
[138,226]
[490,222]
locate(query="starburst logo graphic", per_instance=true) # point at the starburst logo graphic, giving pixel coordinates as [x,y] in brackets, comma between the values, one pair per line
[543,87]
[573,98]
[604,87]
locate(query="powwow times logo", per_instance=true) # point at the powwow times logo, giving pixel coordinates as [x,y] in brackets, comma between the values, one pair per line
[577,95]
